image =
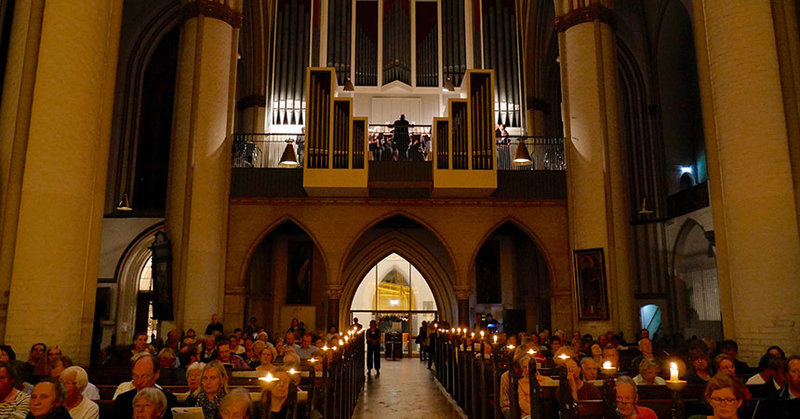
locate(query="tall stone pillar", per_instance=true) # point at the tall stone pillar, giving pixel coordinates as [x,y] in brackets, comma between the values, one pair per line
[750,175]
[197,197]
[55,123]
[462,292]
[334,296]
[596,191]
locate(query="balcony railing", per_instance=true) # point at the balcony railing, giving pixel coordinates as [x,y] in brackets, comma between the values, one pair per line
[264,150]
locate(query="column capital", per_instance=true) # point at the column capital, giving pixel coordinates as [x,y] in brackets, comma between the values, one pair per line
[462,292]
[598,10]
[215,9]
[335,291]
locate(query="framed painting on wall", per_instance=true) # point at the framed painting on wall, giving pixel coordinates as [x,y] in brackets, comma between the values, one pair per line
[590,281]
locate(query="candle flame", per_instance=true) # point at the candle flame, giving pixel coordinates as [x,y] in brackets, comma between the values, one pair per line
[482,333]
[292,371]
[531,351]
[510,346]
[607,365]
[495,338]
[325,348]
[340,342]
[312,360]
[269,378]
[335,348]
[563,356]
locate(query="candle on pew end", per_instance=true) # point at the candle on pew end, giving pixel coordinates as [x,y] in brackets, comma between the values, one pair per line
[673,371]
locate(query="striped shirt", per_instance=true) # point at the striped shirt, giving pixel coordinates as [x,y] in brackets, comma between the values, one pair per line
[15,405]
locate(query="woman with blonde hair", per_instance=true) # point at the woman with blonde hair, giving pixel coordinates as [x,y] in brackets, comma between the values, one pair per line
[213,388]
[267,357]
[725,395]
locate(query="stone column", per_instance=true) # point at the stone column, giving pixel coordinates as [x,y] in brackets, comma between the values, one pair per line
[462,292]
[334,296]
[750,175]
[55,124]
[197,196]
[597,194]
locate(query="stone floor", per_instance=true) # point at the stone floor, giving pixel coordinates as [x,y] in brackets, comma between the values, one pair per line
[404,390]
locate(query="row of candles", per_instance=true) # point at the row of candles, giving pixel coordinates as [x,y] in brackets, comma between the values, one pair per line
[608,369]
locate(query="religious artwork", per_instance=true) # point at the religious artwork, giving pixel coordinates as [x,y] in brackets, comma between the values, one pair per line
[590,278]
[298,274]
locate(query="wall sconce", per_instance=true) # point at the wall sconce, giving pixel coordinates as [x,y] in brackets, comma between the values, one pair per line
[125,203]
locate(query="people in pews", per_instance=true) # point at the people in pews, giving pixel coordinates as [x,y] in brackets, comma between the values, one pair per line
[627,401]
[725,395]
[194,374]
[521,368]
[791,390]
[280,395]
[724,364]
[47,400]
[37,363]
[306,349]
[775,369]
[214,326]
[295,328]
[236,405]
[764,373]
[596,352]
[646,352]
[139,344]
[731,348]
[149,403]
[145,373]
[648,373]
[213,387]
[699,372]
[611,355]
[225,356]
[580,389]
[166,358]
[13,403]
[74,379]
[776,351]
[236,347]
[209,352]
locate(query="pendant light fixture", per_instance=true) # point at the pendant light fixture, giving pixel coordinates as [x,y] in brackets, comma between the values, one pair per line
[289,157]
[522,157]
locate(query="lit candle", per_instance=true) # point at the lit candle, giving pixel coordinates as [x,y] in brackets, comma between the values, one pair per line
[292,371]
[607,365]
[340,342]
[482,333]
[531,351]
[673,371]
[325,348]
[472,335]
[269,378]
[335,348]
[510,347]
[563,357]
[495,339]
[312,360]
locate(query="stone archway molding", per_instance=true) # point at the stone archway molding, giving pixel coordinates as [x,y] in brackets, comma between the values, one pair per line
[437,276]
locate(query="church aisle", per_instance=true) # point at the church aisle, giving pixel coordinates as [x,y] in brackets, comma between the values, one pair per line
[404,390]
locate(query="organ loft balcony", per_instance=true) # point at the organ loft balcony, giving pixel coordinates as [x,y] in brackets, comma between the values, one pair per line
[460,154]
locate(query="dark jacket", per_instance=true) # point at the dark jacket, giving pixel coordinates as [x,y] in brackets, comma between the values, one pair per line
[59,413]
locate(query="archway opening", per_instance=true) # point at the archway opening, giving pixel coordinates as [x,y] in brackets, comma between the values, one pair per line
[511,282]
[397,296]
[286,279]
[696,283]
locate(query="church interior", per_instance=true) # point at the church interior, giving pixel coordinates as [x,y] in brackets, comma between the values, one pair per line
[626,167]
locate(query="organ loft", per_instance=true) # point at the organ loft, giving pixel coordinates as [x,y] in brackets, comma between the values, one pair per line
[574,165]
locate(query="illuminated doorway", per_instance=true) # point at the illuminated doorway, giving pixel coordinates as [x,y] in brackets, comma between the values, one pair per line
[398,297]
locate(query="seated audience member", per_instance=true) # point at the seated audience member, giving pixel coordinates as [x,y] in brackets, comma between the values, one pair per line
[54,354]
[332,334]
[236,405]
[589,369]
[306,349]
[213,387]
[191,334]
[166,358]
[90,392]
[173,340]
[731,348]
[296,329]
[267,357]
[521,368]
[645,352]
[596,352]
[236,348]
[36,366]
[555,344]
[611,355]
[225,356]
[193,375]
[47,400]
[776,366]
[791,371]
[145,372]
[291,360]
[724,364]
[139,344]
[209,351]
[776,351]
[627,399]
[248,348]
[725,395]
[648,373]
[580,390]
[255,357]
[699,372]
[13,403]
[764,374]
[290,341]
[75,380]
[7,354]
[149,403]
[264,337]
[252,327]
[280,395]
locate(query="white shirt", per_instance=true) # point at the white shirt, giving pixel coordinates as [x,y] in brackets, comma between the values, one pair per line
[91,392]
[755,380]
[86,409]
[640,381]
[126,387]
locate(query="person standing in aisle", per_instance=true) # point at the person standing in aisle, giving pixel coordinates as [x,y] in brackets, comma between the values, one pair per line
[373,348]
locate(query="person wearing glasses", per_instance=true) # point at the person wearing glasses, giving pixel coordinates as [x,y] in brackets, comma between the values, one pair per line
[145,373]
[725,395]
[627,399]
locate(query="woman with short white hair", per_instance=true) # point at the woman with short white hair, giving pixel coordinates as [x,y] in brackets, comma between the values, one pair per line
[236,405]
[193,374]
[74,379]
[149,403]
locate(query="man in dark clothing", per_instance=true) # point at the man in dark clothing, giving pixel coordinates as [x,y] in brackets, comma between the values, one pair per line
[373,348]
[401,139]
[145,374]
[214,326]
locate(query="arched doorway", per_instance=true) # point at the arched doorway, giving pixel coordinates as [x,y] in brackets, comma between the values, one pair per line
[511,282]
[396,295]
[286,278]
[696,284]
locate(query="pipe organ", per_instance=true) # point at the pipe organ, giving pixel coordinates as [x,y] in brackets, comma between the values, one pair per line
[419,43]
